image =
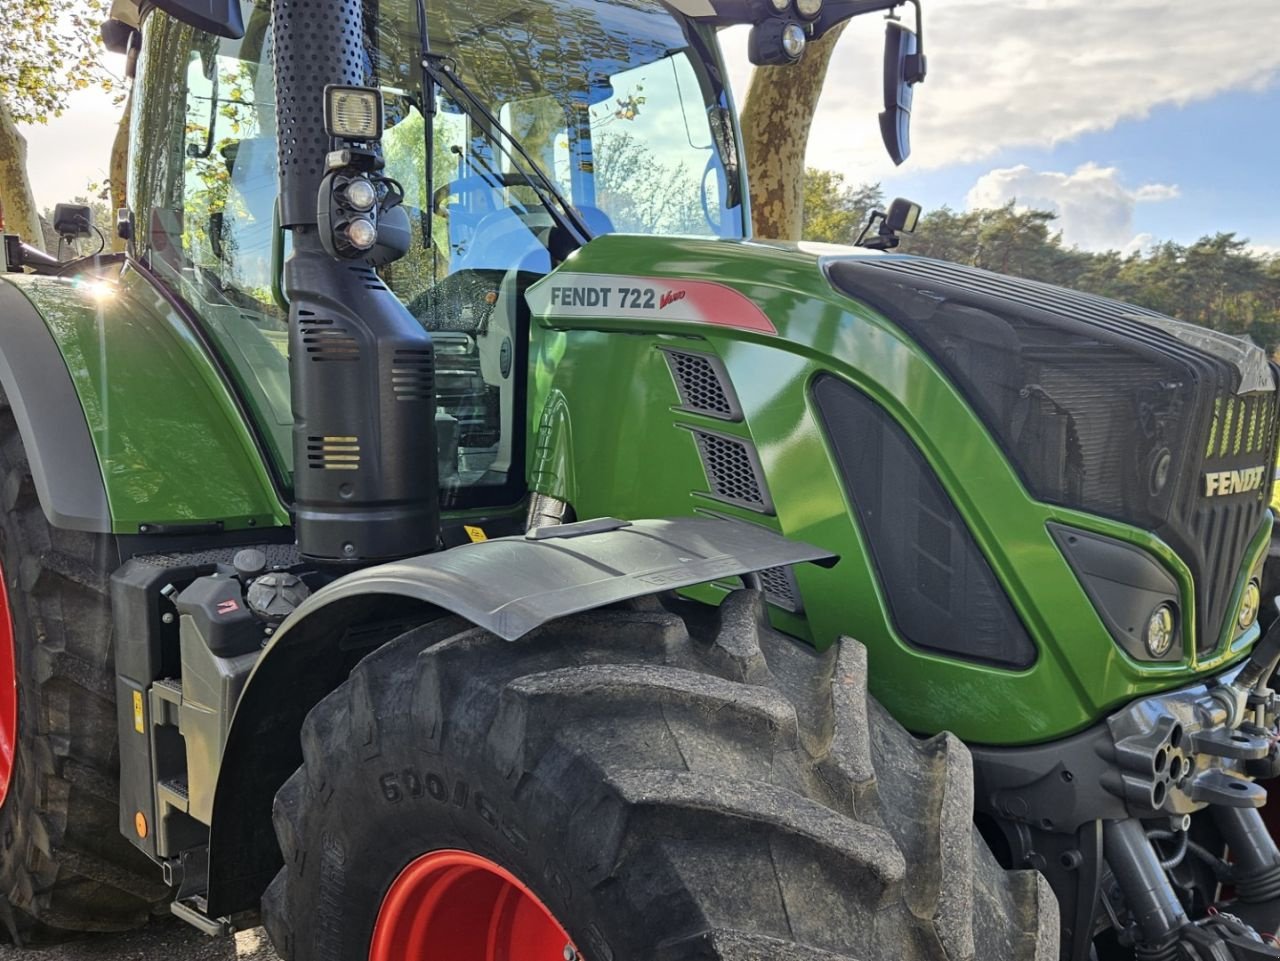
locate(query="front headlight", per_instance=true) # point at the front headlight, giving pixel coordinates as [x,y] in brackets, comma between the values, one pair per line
[1249,605]
[1161,630]
[808,8]
[1135,597]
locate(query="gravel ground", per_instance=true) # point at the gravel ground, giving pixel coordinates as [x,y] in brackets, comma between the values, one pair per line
[165,940]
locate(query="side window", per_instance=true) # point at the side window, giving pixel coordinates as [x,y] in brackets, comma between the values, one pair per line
[209,201]
[474,253]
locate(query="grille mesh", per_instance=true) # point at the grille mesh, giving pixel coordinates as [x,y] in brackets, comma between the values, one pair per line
[780,588]
[703,385]
[733,470]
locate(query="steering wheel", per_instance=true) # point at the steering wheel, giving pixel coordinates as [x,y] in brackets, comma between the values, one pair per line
[465,186]
[465,220]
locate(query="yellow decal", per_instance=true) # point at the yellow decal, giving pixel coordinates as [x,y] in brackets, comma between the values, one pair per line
[137,714]
[475,533]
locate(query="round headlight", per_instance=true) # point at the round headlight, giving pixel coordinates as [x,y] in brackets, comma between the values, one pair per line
[808,8]
[1249,606]
[779,6]
[793,40]
[1159,632]
[360,194]
[362,234]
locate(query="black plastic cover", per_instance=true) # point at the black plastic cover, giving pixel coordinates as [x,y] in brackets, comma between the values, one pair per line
[1125,584]
[217,607]
[941,592]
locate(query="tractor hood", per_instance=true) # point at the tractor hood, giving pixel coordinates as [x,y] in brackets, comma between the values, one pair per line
[1097,407]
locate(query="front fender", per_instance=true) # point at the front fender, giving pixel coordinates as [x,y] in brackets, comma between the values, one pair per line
[40,392]
[509,586]
[143,433]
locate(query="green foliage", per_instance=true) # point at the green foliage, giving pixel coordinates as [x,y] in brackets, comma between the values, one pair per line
[834,212]
[48,49]
[1216,282]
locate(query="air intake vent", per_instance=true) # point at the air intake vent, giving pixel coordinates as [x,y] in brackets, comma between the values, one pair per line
[323,340]
[369,277]
[703,384]
[780,588]
[333,453]
[1241,425]
[733,470]
[411,374]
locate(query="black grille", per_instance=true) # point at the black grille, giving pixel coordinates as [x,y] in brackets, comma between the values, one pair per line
[1098,406]
[733,470]
[779,585]
[941,591]
[703,384]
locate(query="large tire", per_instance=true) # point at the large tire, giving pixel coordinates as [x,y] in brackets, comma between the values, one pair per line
[672,786]
[64,865]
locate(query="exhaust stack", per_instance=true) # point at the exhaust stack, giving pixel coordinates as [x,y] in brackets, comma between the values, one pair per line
[362,368]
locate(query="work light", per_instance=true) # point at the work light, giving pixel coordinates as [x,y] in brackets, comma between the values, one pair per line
[808,9]
[1158,635]
[793,40]
[1249,605]
[352,113]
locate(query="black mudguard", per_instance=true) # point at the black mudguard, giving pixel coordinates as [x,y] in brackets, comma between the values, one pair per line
[508,586]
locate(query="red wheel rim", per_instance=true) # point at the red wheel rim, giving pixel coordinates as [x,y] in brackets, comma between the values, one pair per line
[458,906]
[8,692]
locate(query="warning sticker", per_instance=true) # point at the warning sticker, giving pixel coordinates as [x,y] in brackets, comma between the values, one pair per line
[610,296]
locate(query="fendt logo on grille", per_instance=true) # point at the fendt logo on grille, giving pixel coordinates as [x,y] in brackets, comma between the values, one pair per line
[1219,483]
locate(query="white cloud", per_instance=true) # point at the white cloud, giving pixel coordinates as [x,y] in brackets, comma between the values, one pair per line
[1032,73]
[1094,208]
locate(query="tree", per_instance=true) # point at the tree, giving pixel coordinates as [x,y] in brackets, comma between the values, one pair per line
[776,117]
[834,212]
[48,49]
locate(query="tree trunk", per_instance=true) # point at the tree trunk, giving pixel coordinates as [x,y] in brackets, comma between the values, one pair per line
[119,172]
[776,118]
[17,205]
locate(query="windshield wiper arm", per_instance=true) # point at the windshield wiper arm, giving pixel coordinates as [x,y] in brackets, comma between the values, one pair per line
[437,67]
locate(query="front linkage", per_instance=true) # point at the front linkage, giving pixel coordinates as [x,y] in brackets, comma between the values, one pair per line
[1150,820]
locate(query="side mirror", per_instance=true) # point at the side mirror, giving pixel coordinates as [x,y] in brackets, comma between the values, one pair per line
[71,221]
[901,218]
[904,67]
[219,17]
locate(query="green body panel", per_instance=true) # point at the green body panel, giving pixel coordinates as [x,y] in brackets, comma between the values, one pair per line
[172,444]
[592,375]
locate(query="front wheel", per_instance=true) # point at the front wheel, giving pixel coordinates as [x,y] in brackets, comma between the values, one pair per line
[646,784]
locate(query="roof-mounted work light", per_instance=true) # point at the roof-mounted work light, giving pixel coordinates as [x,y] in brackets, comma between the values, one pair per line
[353,113]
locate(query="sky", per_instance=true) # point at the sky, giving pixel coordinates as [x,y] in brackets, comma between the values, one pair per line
[1133,120]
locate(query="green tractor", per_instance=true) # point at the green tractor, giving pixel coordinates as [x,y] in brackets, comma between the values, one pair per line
[445,534]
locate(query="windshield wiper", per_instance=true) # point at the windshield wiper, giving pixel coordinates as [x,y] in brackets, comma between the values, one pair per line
[438,69]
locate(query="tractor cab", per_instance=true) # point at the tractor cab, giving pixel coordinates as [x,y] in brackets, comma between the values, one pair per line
[624,117]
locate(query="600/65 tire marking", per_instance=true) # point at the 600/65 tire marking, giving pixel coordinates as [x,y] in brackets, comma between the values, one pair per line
[396,786]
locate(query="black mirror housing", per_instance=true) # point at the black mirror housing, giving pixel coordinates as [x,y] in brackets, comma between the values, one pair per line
[904,66]
[219,17]
[72,220]
[903,216]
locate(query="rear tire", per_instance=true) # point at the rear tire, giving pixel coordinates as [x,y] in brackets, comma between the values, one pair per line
[671,786]
[64,865]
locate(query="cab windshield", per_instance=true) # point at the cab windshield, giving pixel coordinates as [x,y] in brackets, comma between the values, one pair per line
[620,114]
[618,103]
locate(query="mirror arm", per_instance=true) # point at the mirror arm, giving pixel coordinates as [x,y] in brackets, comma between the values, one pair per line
[836,12]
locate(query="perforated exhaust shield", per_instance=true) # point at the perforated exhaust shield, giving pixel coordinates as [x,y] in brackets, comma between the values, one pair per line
[362,368]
